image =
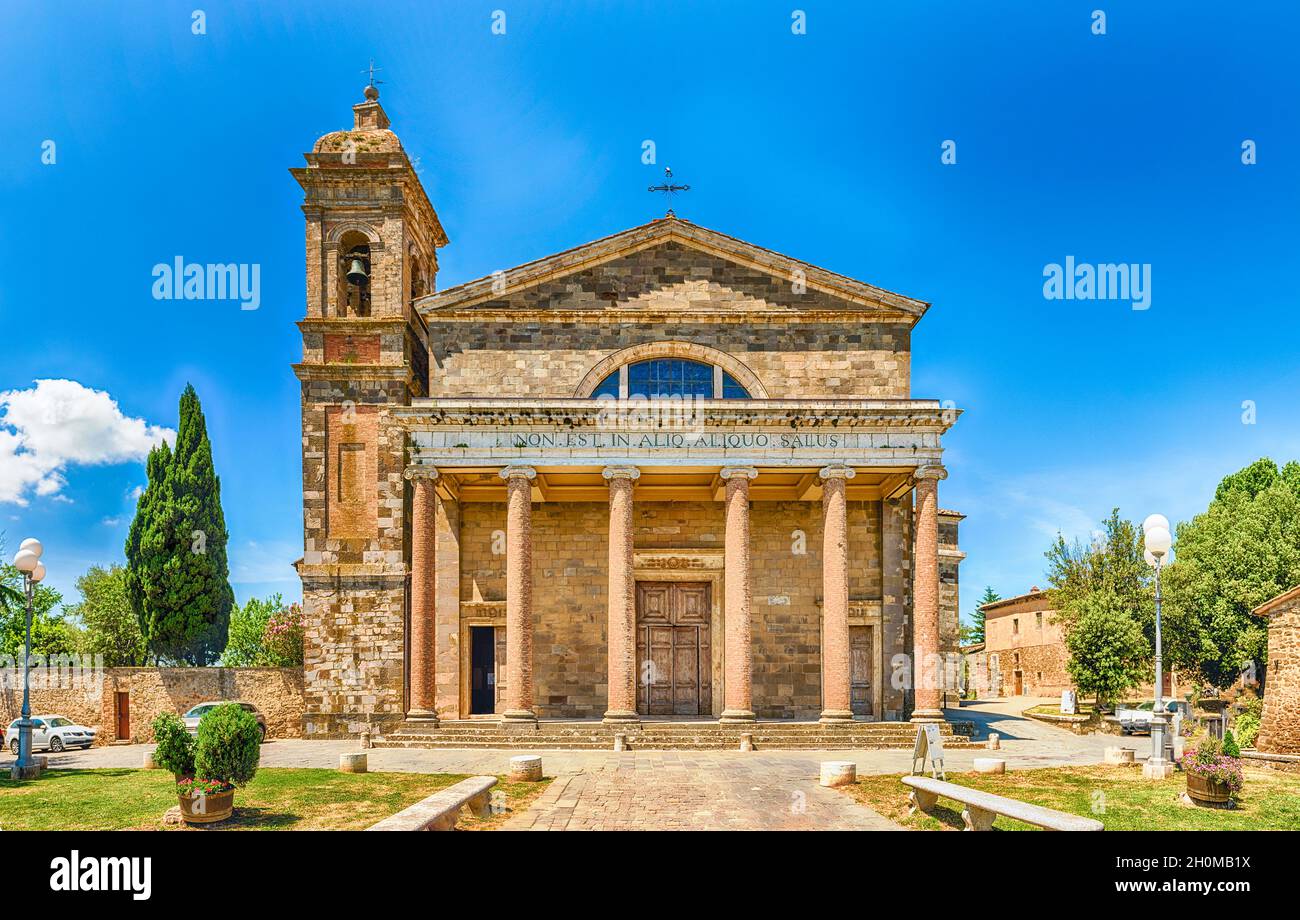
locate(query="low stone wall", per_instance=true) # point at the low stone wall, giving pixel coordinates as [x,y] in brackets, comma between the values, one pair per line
[276,692]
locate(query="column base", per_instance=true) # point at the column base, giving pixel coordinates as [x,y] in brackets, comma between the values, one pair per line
[621,717]
[920,716]
[423,716]
[519,719]
[1162,770]
[737,715]
[836,716]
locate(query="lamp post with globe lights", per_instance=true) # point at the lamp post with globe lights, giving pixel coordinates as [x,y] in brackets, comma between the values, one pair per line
[28,561]
[1155,530]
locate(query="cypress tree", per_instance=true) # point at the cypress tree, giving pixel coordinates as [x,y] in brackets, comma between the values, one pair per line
[177,575]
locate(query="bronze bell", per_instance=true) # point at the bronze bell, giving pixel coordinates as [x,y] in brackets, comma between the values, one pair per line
[357,270]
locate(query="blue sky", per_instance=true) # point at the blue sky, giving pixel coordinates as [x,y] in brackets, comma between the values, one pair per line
[1122,147]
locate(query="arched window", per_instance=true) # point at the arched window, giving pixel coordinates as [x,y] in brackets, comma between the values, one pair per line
[671,377]
[354,275]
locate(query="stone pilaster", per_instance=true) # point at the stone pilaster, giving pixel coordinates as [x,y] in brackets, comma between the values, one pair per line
[422,704]
[519,594]
[447,607]
[738,647]
[926,671]
[621,637]
[836,705]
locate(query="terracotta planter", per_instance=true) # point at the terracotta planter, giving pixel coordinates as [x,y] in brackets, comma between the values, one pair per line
[1207,791]
[207,809]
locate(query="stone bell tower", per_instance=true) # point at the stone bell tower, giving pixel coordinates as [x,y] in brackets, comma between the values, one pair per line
[372,242]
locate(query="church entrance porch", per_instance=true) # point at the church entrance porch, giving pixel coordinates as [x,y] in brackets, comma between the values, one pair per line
[673,648]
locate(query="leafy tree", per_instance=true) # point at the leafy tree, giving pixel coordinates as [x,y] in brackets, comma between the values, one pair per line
[1108,653]
[977,618]
[110,627]
[50,634]
[284,637]
[1112,565]
[248,623]
[1243,550]
[177,575]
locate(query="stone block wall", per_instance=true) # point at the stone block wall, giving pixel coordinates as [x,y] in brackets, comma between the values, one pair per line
[276,692]
[1279,731]
[807,360]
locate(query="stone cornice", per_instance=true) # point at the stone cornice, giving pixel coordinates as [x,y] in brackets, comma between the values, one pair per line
[352,371]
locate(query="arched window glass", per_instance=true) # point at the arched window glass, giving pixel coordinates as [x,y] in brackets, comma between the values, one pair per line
[672,377]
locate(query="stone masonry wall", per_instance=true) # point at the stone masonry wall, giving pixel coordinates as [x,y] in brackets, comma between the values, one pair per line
[276,692]
[807,360]
[1279,731]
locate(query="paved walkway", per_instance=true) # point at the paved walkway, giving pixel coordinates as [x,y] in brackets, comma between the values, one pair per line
[685,789]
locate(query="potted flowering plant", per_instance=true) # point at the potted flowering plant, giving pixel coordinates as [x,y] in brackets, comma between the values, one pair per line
[225,756]
[1213,777]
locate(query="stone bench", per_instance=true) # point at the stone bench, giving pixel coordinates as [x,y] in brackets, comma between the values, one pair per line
[982,807]
[439,811]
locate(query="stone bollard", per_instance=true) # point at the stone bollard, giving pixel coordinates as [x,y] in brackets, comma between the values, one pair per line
[994,743]
[354,762]
[746,741]
[839,773]
[620,742]
[990,765]
[365,741]
[525,769]
[146,762]
[1117,756]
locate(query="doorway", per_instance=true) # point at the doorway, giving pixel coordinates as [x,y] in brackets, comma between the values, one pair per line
[123,707]
[860,648]
[483,670]
[1020,683]
[674,648]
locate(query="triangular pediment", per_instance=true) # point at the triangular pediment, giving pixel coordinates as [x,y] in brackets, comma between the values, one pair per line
[668,267]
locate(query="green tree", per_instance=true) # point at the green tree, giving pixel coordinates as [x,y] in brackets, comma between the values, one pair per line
[1108,653]
[1243,550]
[245,648]
[110,627]
[177,575]
[977,618]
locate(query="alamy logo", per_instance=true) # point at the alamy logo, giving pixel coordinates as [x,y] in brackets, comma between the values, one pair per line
[1107,281]
[209,281]
[103,873]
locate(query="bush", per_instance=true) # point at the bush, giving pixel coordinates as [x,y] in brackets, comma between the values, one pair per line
[175,751]
[1230,748]
[1247,722]
[227,747]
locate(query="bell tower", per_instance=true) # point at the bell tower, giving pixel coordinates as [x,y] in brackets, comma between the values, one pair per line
[372,241]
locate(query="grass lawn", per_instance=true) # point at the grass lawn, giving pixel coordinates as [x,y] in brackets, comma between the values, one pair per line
[276,799]
[1124,800]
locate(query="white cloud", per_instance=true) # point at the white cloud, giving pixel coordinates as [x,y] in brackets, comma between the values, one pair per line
[59,424]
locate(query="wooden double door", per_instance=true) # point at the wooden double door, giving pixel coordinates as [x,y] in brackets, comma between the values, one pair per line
[674,648]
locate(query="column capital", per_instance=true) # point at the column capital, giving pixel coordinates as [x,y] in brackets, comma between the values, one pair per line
[930,471]
[518,472]
[420,471]
[837,472]
[622,472]
[738,472]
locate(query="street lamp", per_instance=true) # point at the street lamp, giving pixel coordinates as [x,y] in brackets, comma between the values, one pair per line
[28,561]
[1155,529]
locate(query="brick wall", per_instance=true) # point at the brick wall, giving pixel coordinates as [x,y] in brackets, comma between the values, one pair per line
[276,692]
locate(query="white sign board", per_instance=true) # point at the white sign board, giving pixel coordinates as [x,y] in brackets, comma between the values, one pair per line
[1068,703]
[929,748]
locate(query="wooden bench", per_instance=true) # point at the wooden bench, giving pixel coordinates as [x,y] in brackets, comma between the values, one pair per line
[982,807]
[439,811]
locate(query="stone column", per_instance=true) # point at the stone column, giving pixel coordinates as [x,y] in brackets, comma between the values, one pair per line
[836,706]
[423,633]
[738,647]
[925,597]
[621,632]
[519,594]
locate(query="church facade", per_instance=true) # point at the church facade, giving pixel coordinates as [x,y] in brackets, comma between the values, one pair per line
[667,474]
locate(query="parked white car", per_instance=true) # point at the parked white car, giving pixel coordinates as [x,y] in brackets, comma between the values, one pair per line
[1135,718]
[53,733]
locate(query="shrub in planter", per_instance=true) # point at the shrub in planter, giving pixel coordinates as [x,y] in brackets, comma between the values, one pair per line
[1230,746]
[1213,776]
[227,747]
[175,751]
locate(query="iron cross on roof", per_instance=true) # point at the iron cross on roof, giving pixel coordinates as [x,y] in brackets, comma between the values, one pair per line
[668,188]
[371,71]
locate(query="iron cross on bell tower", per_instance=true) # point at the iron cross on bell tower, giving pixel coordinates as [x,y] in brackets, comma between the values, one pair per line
[668,188]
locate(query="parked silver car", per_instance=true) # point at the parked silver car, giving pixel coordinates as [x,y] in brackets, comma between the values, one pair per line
[191,718]
[53,733]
